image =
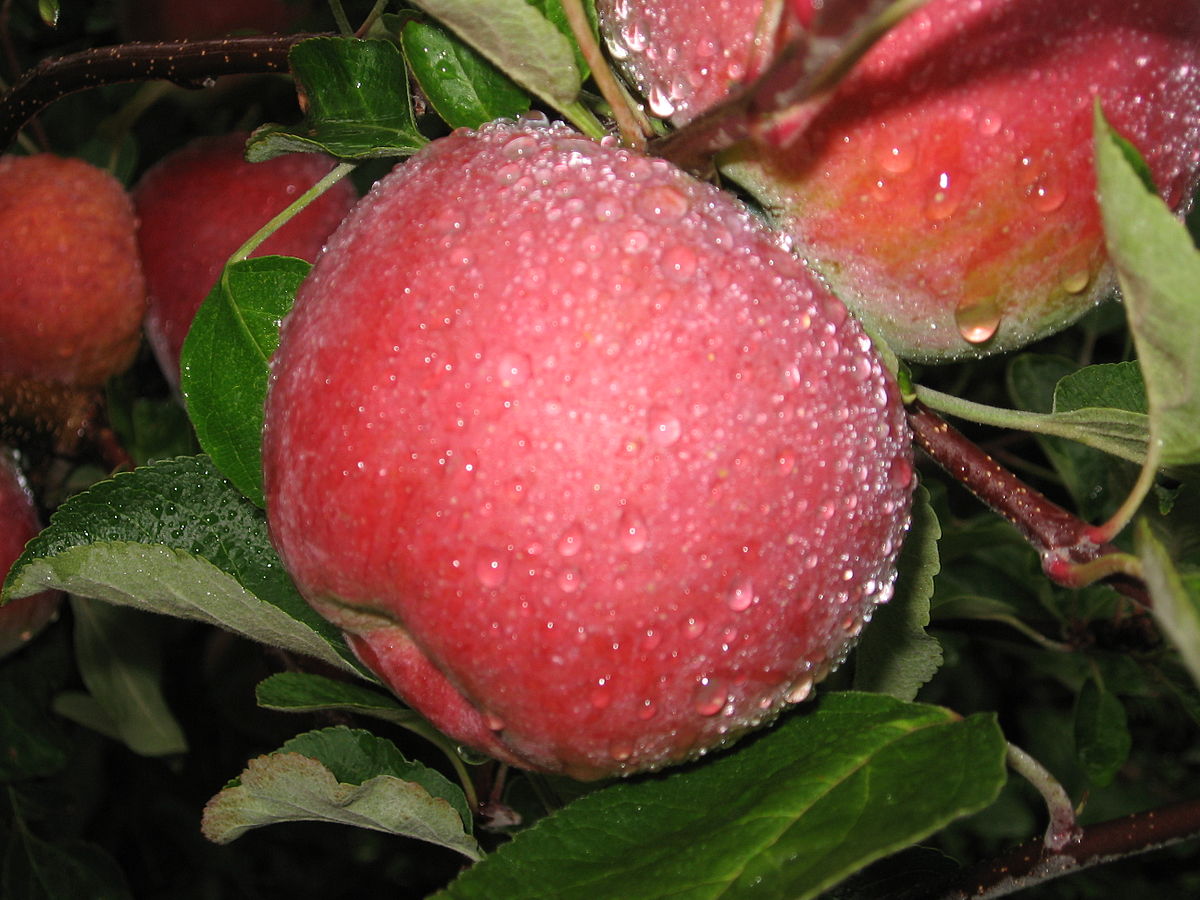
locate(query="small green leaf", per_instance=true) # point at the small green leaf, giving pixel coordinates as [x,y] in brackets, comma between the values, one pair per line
[304,692]
[225,364]
[1176,600]
[787,814]
[357,103]
[177,538]
[119,656]
[464,88]
[896,656]
[49,10]
[343,776]
[519,40]
[1102,739]
[1159,271]
[39,870]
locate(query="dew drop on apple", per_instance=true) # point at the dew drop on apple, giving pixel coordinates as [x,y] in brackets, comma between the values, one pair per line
[711,697]
[1047,193]
[663,203]
[513,368]
[800,690]
[647,710]
[694,627]
[679,262]
[661,103]
[494,722]
[665,429]
[896,157]
[520,147]
[570,542]
[977,319]
[740,595]
[620,750]
[632,531]
[601,696]
[1076,282]
[569,580]
[635,241]
[944,198]
[492,567]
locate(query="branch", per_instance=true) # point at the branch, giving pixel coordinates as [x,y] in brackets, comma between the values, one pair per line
[1064,541]
[1031,863]
[188,63]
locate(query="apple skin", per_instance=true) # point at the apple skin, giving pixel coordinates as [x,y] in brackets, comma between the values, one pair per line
[20,620]
[72,294]
[198,205]
[588,468]
[946,191]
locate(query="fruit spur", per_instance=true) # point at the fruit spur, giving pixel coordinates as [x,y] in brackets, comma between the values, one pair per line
[590,470]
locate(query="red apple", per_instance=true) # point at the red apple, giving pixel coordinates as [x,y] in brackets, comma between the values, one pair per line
[71,290]
[200,204]
[946,190]
[20,619]
[589,469]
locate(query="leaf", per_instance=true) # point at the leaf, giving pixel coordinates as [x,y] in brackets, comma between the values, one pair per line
[32,742]
[119,658]
[38,870]
[304,692]
[225,363]
[356,99]
[1118,386]
[1102,739]
[896,656]
[1176,601]
[177,538]
[787,814]
[1159,271]
[463,87]
[519,40]
[344,776]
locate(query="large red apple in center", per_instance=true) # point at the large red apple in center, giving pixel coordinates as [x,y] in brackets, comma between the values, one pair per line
[588,468]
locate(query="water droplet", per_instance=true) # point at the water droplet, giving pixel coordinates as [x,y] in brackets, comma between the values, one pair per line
[635,241]
[661,103]
[1047,193]
[520,146]
[647,710]
[945,197]
[977,319]
[662,202]
[601,696]
[785,459]
[632,531]
[694,627]
[710,697]
[607,209]
[494,722]
[491,568]
[665,429]
[571,540]
[508,173]
[512,368]
[651,640]
[1076,282]
[896,157]
[901,473]
[568,581]
[800,690]
[620,750]
[741,594]
[679,262]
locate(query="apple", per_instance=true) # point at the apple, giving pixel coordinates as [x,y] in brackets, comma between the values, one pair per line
[946,189]
[587,467]
[72,294]
[198,205]
[20,620]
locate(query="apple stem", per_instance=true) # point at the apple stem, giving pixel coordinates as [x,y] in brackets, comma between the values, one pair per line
[633,135]
[188,63]
[1067,544]
[1062,829]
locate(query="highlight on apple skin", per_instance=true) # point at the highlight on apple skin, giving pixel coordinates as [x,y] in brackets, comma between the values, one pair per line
[72,295]
[945,190]
[588,468]
[198,205]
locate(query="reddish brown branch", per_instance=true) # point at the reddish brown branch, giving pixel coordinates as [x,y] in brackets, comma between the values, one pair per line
[1031,863]
[1062,539]
[189,63]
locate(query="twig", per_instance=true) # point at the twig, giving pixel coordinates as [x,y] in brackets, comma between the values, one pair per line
[189,63]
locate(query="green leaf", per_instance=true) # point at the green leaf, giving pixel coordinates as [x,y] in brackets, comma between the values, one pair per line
[32,741]
[1175,600]
[177,538]
[38,870]
[356,99]
[119,656]
[304,692]
[1118,386]
[49,10]
[343,776]
[1159,271]
[225,364]
[463,87]
[787,814]
[896,656]
[519,40]
[1102,739]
